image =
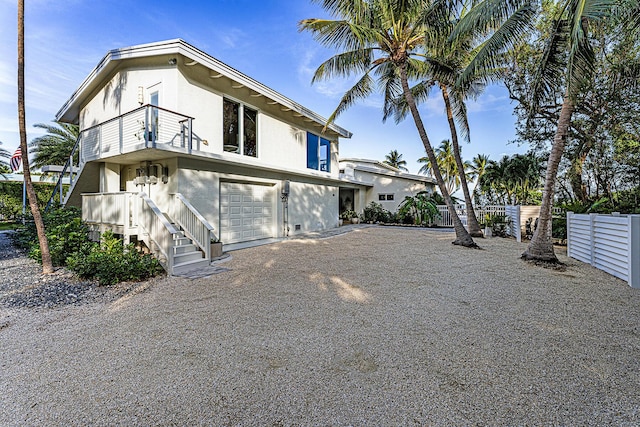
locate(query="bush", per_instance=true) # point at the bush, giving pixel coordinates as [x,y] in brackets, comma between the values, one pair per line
[65,231]
[374,212]
[111,262]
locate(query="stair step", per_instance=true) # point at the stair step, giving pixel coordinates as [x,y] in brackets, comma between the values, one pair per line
[181,241]
[188,256]
[189,265]
[184,248]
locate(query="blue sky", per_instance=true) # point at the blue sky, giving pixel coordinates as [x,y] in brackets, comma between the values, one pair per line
[66,39]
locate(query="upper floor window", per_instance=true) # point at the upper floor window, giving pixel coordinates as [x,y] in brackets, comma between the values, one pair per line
[240,130]
[318,153]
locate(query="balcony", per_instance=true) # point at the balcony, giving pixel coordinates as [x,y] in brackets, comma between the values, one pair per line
[144,127]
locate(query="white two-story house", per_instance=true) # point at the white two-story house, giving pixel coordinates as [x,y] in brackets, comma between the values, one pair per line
[177,149]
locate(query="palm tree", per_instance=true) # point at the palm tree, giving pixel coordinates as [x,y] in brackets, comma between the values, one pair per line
[55,146]
[47,266]
[4,166]
[380,40]
[478,167]
[394,159]
[567,61]
[447,164]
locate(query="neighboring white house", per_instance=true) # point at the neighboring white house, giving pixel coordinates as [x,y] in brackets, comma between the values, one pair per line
[385,184]
[216,154]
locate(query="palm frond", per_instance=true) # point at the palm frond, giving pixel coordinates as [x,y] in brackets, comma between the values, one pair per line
[514,29]
[344,64]
[363,88]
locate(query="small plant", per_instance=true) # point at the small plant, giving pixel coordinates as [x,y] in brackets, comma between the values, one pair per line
[499,224]
[421,207]
[348,214]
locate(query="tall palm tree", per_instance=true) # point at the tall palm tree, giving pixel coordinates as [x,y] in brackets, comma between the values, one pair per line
[567,61]
[380,40]
[446,58]
[394,159]
[47,266]
[55,146]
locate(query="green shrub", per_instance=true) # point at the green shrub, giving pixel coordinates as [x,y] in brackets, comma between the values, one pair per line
[374,212]
[65,231]
[111,262]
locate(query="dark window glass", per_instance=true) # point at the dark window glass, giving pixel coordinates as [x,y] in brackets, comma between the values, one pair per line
[382,197]
[389,196]
[325,155]
[312,151]
[230,126]
[250,132]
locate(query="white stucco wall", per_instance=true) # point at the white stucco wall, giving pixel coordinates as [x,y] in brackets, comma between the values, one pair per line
[383,184]
[314,207]
[120,94]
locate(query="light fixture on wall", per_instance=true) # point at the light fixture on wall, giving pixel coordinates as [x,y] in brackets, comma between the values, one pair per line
[140,95]
[173,61]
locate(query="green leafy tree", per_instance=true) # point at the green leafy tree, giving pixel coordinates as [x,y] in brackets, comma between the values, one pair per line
[394,159]
[53,148]
[381,41]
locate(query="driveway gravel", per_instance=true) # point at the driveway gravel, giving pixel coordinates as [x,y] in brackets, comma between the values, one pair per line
[378,326]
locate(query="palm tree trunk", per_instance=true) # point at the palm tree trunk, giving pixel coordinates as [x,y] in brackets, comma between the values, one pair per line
[463,238]
[47,266]
[541,246]
[472,221]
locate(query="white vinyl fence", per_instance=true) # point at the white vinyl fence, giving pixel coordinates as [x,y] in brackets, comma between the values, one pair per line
[608,242]
[518,216]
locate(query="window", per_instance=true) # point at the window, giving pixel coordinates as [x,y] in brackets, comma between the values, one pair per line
[240,130]
[318,153]
[385,197]
[389,196]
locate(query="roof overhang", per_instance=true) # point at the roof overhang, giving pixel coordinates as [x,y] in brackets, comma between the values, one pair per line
[384,169]
[71,109]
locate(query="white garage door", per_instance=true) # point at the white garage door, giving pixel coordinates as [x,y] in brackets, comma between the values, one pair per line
[246,212]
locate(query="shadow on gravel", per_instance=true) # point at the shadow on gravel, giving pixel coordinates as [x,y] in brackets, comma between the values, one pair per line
[7,251]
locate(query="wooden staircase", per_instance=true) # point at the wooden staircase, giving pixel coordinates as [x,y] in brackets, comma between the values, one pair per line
[186,255]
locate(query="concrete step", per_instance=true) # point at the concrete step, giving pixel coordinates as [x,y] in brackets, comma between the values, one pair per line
[186,257]
[183,267]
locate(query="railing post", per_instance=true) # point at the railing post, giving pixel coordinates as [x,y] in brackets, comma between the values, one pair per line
[190,135]
[568,228]
[120,135]
[146,127]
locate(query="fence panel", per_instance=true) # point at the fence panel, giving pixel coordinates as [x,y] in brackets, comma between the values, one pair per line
[608,242]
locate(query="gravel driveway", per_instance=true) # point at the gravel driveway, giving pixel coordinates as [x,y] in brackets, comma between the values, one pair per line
[379,326]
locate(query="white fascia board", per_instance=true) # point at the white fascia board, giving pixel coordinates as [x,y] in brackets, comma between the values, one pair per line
[426,179]
[179,46]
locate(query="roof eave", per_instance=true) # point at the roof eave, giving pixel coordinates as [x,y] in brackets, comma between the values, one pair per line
[179,46]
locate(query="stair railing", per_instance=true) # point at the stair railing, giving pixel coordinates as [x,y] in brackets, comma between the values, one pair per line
[194,225]
[71,170]
[160,231]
